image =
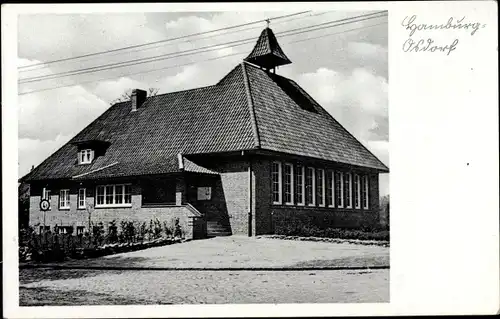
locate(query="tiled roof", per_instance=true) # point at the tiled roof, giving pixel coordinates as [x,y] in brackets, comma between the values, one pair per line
[204,120]
[290,121]
[248,109]
[267,51]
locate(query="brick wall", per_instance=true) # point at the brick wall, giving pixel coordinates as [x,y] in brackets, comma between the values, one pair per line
[262,210]
[80,217]
[323,217]
[268,214]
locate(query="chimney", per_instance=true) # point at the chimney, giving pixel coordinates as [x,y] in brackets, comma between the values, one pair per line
[138,98]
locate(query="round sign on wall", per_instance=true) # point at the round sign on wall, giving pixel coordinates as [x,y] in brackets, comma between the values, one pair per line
[44,205]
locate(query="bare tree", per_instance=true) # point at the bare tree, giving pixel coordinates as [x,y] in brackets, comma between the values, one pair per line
[127,95]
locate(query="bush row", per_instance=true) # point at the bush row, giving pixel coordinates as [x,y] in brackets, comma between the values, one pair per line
[51,245]
[55,254]
[315,231]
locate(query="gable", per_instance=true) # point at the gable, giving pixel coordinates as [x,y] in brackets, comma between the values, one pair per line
[290,121]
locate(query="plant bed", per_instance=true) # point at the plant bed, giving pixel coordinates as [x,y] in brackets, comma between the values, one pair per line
[53,255]
[383,243]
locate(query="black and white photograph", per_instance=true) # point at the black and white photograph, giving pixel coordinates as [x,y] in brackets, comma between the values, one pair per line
[203,157]
[242,159]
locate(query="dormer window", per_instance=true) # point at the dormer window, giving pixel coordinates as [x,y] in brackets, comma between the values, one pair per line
[85,156]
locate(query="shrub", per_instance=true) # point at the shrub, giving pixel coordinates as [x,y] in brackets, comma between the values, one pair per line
[177,229]
[112,232]
[129,231]
[98,234]
[142,231]
[309,230]
[168,230]
[157,230]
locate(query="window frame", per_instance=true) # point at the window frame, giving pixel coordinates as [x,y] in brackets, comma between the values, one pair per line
[357,190]
[330,174]
[302,170]
[113,204]
[79,198]
[280,183]
[80,230]
[349,202]
[313,186]
[340,175]
[82,156]
[64,200]
[320,172]
[366,197]
[292,184]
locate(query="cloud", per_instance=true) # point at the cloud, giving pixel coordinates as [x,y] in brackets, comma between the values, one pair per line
[34,151]
[110,90]
[358,100]
[48,114]
[368,50]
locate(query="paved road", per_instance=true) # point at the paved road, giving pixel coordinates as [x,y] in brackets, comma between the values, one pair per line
[94,287]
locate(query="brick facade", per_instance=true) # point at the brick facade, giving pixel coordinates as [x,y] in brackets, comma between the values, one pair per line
[243,182]
[80,217]
[268,214]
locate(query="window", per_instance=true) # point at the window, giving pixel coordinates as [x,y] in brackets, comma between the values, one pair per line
[330,194]
[276,182]
[81,198]
[100,195]
[365,192]
[85,156]
[80,230]
[46,195]
[65,230]
[161,192]
[339,189]
[357,192]
[299,185]
[320,186]
[310,187]
[348,190]
[288,184]
[114,195]
[64,199]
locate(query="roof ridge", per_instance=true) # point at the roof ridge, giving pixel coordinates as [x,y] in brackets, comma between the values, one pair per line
[253,119]
[181,91]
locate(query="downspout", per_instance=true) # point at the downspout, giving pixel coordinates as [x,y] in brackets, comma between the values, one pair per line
[250,202]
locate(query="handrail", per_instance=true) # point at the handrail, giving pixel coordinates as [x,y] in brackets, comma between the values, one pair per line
[193,210]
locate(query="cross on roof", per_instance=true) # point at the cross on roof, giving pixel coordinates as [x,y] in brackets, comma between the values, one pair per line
[268,22]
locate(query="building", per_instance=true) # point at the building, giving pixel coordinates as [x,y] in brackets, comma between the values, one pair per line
[239,157]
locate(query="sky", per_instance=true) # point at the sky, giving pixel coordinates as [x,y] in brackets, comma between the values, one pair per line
[344,68]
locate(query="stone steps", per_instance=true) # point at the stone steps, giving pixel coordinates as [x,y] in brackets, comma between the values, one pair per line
[216,229]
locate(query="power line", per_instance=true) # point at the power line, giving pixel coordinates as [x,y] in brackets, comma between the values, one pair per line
[158,45]
[192,63]
[163,41]
[196,51]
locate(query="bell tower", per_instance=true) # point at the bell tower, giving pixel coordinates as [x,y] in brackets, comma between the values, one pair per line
[267,52]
